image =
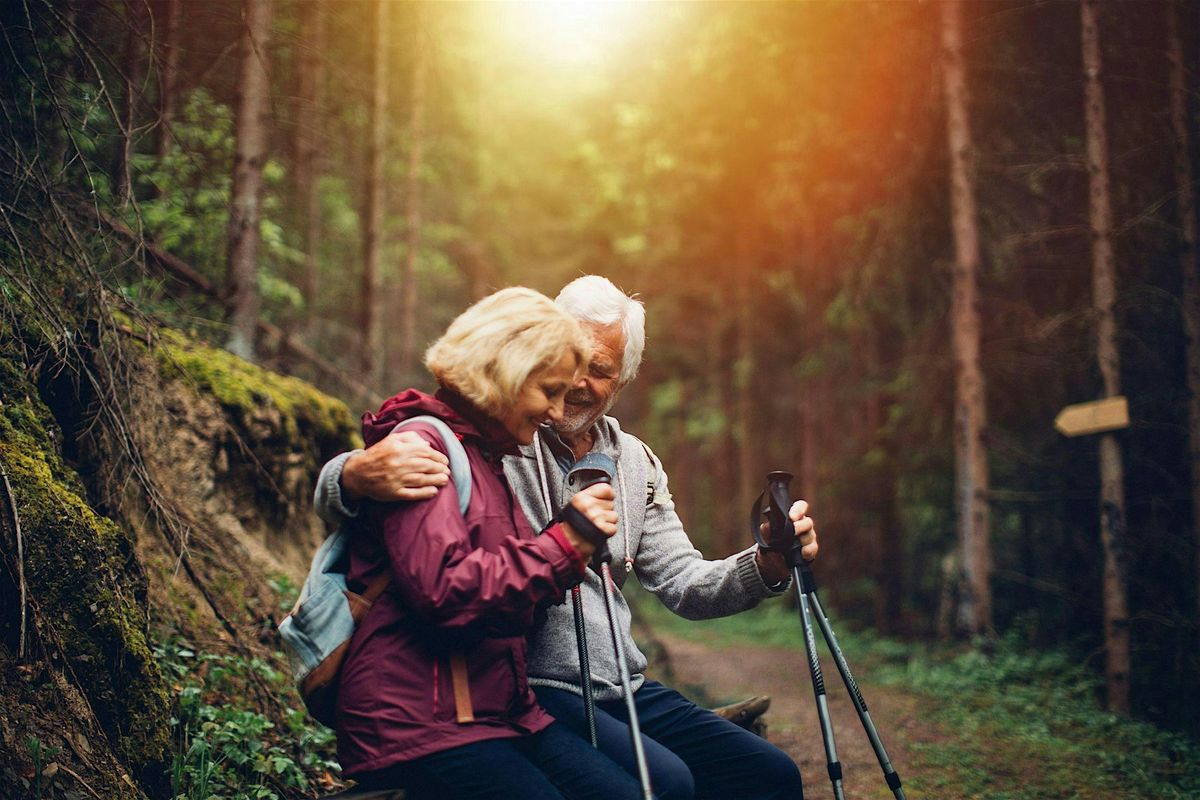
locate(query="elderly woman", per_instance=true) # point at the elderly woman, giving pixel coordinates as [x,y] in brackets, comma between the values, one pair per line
[433,695]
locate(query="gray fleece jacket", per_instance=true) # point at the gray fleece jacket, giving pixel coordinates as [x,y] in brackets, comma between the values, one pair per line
[650,541]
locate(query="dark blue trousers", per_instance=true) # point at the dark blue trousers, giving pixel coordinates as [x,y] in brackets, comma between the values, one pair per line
[691,752]
[553,764]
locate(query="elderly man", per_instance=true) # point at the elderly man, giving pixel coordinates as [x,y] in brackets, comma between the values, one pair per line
[691,751]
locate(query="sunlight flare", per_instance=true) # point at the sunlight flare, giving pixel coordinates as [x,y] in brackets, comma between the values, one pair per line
[571,32]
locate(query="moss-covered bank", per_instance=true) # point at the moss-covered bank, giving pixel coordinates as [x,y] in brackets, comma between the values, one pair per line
[288,426]
[163,489]
[82,578]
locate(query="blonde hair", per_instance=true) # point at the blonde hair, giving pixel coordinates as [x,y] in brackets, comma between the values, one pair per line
[493,347]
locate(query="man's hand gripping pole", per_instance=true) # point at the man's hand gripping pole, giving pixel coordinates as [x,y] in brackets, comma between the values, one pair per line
[780,536]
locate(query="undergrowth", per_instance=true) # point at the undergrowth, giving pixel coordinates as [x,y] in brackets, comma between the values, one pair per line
[225,747]
[1013,723]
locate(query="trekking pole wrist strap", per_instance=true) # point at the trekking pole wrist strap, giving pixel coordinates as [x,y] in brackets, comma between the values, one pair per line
[583,526]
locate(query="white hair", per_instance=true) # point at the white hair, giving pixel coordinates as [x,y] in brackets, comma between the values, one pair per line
[596,300]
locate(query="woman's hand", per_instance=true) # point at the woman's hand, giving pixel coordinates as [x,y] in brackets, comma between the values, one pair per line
[596,503]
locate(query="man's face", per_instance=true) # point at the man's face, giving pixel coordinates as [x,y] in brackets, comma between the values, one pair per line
[596,389]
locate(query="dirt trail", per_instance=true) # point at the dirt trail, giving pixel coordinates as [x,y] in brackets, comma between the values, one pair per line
[783,674]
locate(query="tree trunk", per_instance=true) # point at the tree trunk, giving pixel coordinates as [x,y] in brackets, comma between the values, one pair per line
[134,69]
[970,413]
[888,546]
[251,153]
[66,69]
[371,308]
[892,580]
[306,143]
[723,477]
[468,253]
[747,408]
[413,221]
[807,414]
[684,462]
[1188,267]
[1112,490]
[168,75]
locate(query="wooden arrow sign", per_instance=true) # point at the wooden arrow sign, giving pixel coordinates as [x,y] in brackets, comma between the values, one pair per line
[1109,414]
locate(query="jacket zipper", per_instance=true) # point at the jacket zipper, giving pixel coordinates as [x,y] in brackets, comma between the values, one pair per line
[435,686]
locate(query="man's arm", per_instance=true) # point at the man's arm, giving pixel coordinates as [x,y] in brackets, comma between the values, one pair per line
[401,466]
[672,568]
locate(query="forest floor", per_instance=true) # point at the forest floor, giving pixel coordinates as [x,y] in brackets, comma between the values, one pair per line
[792,719]
[970,725]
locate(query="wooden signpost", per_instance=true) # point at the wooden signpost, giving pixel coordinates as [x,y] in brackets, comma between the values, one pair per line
[1098,416]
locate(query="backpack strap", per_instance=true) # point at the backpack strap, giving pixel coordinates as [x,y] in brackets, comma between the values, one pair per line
[460,468]
[462,687]
[460,473]
[652,477]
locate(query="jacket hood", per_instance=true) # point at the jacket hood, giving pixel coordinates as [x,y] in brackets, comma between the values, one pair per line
[459,414]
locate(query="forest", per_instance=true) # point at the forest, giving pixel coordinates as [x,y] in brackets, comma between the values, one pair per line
[881,245]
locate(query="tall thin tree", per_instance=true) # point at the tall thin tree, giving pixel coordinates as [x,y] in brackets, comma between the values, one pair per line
[371,302]
[1189,265]
[970,410]
[134,72]
[250,155]
[169,12]
[416,148]
[306,144]
[745,423]
[1104,294]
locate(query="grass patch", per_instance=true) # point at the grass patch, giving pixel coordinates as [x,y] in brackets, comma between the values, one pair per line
[1015,724]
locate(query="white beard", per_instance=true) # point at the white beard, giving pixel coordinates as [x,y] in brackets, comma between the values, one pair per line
[574,423]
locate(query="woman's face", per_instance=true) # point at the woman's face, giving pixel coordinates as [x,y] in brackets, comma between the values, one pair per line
[540,399]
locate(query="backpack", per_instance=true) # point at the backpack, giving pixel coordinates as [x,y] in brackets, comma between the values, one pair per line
[317,632]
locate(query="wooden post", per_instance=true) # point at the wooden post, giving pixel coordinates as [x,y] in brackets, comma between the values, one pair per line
[1104,293]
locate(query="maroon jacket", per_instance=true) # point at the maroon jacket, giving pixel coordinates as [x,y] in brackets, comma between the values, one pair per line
[466,587]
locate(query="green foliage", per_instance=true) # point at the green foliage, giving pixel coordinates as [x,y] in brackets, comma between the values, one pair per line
[187,211]
[1041,709]
[41,755]
[286,588]
[225,748]
[1019,724]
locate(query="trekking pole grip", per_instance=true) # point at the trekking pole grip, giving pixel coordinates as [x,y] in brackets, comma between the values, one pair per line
[593,468]
[782,528]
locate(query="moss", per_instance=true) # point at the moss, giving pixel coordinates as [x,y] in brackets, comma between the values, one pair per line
[80,577]
[290,427]
[244,388]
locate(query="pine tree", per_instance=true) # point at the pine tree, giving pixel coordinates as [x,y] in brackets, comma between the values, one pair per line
[970,413]
[251,154]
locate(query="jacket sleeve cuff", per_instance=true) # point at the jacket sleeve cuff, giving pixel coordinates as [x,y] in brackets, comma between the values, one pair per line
[578,562]
[327,499]
[751,578]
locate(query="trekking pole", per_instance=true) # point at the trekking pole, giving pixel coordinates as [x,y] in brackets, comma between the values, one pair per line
[585,670]
[860,704]
[585,473]
[599,468]
[778,503]
[782,531]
